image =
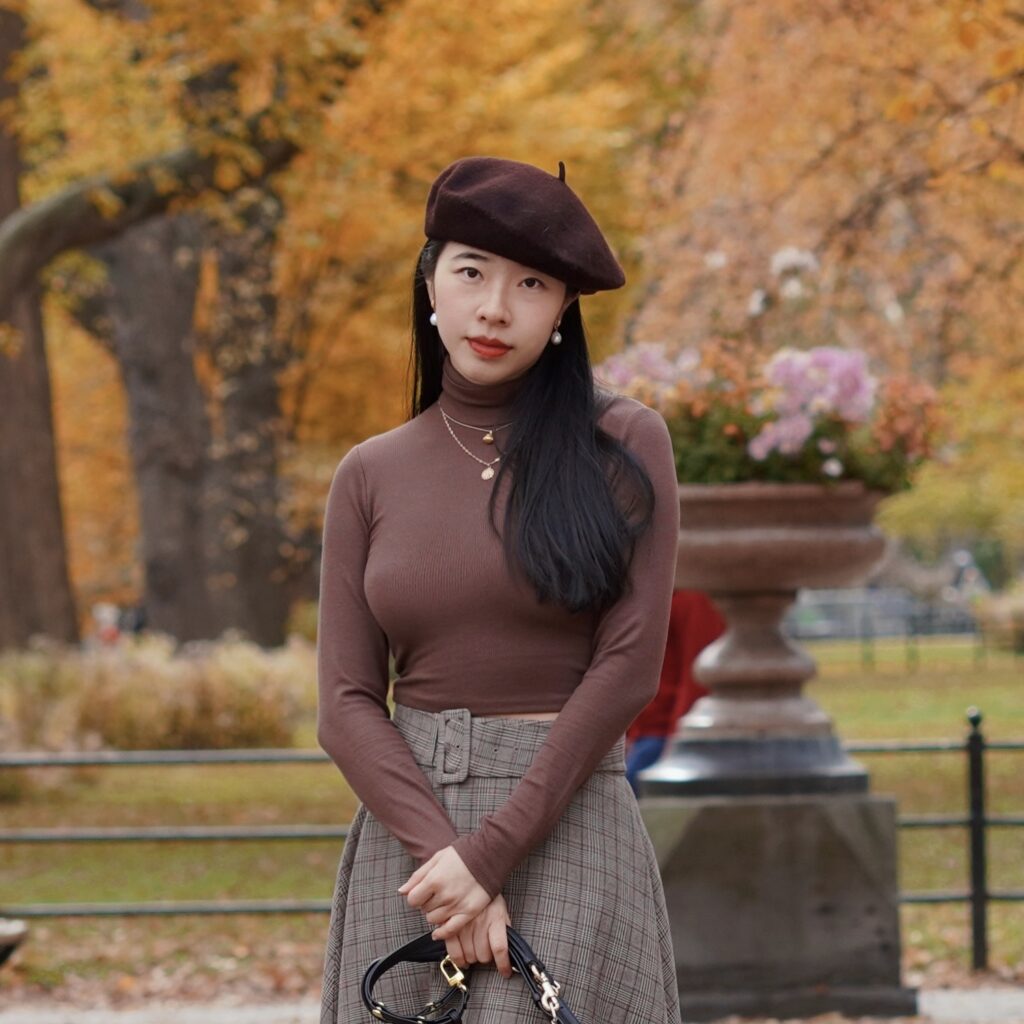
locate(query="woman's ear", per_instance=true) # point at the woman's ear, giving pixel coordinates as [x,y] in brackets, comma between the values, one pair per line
[570,298]
[430,290]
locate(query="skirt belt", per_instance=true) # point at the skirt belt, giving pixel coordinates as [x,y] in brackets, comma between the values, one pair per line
[454,744]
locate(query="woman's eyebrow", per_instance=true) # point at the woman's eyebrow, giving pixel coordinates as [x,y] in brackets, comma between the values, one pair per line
[486,259]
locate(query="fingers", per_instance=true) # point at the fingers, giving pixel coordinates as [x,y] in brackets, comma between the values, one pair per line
[474,942]
[498,939]
[451,927]
[440,913]
[482,939]
[418,874]
[456,952]
[421,893]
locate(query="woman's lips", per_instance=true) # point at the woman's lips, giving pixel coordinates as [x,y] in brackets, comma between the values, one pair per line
[488,350]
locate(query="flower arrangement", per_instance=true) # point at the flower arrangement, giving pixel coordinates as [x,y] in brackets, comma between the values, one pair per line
[810,416]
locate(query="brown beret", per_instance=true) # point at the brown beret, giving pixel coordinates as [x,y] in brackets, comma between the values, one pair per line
[524,214]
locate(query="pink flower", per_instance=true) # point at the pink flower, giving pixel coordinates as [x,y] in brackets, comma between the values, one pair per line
[648,367]
[821,382]
[787,434]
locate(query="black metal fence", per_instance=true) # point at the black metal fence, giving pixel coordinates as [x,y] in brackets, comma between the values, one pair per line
[977,821]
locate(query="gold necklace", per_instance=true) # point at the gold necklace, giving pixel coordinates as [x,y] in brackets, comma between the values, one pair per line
[488,437]
[488,470]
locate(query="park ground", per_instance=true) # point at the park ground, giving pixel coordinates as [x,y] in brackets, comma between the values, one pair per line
[130,963]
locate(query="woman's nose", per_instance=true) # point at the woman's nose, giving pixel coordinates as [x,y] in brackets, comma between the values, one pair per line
[493,305]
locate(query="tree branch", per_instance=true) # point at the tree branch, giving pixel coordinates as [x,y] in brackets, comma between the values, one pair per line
[100,208]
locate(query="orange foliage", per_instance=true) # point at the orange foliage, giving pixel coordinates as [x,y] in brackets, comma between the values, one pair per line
[589,84]
[97,489]
[445,82]
[879,137]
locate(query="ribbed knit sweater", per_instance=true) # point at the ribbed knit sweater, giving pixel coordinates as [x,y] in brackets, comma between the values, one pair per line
[411,563]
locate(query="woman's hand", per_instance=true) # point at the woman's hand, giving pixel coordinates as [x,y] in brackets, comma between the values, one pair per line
[484,939]
[446,891]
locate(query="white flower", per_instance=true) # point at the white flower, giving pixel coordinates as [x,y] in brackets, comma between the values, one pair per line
[832,467]
[791,260]
[716,259]
[757,303]
[792,288]
[894,311]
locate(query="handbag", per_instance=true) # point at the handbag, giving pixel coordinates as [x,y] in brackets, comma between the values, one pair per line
[544,990]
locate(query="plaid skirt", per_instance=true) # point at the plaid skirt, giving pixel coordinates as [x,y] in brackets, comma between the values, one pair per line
[588,899]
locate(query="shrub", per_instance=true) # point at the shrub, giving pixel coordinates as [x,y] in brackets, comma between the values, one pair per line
[1001,617]
[144,695]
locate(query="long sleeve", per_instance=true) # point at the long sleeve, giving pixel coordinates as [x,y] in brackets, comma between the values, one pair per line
[628,650]
[353,724]
[657,718]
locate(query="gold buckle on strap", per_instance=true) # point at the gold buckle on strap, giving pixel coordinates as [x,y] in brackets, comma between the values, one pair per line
[549,992]
[456,977]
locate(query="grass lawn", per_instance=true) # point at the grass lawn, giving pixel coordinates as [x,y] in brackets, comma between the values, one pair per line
[896,696]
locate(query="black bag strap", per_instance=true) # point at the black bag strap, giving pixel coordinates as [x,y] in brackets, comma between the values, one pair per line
[423,949]
[544,990]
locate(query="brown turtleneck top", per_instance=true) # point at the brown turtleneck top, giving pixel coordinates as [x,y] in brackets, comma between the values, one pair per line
[410,562]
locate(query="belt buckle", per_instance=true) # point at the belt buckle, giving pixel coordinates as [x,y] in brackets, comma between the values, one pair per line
[451,753]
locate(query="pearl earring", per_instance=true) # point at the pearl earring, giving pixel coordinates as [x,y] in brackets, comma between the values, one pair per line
[433,319]
[556,338]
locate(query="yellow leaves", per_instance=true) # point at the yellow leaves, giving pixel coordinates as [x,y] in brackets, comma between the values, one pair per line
[97,484]
[207,293]
[11,341]
[163,180]
[1007,59]
[88,105]
[1007,172]
[969,33]
[1002,94]
[105,200]
[902,109]
[227,175]
[256,87]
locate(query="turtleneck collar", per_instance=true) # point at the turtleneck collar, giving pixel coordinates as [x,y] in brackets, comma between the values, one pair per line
[483,405]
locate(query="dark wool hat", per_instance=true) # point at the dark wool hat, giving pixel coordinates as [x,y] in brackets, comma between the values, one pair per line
[524,214]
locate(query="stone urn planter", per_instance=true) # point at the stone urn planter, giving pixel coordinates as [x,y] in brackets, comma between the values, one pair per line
[751,546]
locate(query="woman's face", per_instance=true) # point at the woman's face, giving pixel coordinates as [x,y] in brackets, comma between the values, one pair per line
[479,297]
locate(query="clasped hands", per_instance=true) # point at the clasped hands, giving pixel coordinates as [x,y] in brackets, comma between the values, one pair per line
[471,923]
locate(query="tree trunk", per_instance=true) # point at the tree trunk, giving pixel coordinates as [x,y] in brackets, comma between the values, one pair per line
[145,316]
[206,464]
[35,589]
[244,498]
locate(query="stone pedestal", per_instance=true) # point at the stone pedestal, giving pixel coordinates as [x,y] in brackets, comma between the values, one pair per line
[751,547]
[782,906]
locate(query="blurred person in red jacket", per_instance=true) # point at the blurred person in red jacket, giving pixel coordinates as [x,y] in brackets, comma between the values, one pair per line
[693,624]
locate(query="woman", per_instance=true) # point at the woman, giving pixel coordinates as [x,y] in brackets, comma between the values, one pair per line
[513,546]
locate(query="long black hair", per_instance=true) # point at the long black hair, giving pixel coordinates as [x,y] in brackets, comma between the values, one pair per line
[579,499]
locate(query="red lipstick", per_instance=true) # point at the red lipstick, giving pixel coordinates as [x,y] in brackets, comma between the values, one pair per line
[489,348]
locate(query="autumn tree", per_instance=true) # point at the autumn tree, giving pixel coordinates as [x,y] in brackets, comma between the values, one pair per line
[509,81]
[290,68]
[851,174]
[31,528]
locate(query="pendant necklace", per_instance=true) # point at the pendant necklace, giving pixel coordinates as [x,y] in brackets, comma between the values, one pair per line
[488,438]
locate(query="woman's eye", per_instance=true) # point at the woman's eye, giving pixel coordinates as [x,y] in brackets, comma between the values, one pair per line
[536,281]
[473,270]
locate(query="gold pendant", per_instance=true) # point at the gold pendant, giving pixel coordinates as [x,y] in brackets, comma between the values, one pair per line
[488,472]
[488,438]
